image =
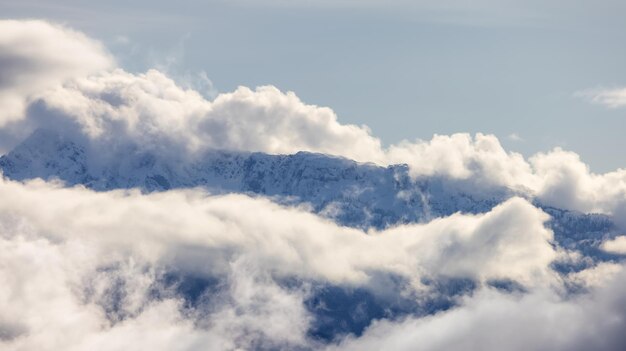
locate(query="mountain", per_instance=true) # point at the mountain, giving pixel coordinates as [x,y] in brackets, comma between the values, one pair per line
[354,194]
[350,193]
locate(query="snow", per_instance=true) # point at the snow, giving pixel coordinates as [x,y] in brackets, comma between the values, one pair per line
[355,194]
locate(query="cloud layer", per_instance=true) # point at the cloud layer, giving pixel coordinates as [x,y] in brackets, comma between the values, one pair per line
[90,265]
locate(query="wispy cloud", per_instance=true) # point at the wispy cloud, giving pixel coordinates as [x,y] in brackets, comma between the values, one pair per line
[611,98]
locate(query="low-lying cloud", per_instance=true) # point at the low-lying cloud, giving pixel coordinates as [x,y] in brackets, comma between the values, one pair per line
[90,265]
[490,320]
[287,241]
[67,250]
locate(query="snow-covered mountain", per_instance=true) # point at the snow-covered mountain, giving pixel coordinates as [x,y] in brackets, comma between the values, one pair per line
[355,194]
[351,193]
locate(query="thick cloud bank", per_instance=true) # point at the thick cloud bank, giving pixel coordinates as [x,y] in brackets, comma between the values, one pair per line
[300,244]
[186,270]
[91,265]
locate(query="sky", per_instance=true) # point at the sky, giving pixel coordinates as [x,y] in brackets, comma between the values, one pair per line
[537,74]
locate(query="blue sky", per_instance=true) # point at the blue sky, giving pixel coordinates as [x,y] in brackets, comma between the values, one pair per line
[511,68]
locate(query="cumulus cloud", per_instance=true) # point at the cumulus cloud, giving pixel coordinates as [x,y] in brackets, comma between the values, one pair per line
[86,95]
[557,178]
[565,181]
[36,55]
[118,109]
[150,109]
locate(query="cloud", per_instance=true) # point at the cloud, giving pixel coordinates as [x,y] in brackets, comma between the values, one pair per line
[85,96]
[49,291]
[566,182]
[480,158]
[289,241]
[491,320]
[87,264]
[611,98]
[617,245]
[515,137]
[36,55]
[152,111]
[596,277]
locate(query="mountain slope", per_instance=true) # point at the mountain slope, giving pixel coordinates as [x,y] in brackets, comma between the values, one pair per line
[351,193]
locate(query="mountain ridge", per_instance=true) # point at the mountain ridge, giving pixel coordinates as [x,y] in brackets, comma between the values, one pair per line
[362,195]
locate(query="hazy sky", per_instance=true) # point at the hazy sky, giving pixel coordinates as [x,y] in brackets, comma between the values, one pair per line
[537,74]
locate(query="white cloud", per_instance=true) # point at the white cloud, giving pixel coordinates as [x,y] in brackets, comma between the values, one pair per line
[113,109]
[68,249]
[289,241]
[480,158]
[44,295]
[36,55]
[152,111]
[491,320]
[596,276]
[617,245]
[611,98]
[565,181]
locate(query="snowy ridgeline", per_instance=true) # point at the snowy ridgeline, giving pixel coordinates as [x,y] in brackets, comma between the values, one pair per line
[350,193]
